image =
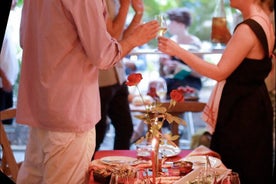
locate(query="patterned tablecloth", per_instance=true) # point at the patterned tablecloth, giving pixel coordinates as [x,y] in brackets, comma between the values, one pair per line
[201,150]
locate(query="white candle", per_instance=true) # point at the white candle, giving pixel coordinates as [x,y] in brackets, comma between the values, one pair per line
[154,159]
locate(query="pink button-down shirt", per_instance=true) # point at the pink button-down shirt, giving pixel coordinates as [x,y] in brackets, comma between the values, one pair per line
[64,44]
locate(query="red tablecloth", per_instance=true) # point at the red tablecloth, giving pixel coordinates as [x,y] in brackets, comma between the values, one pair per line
[130,153]
[133,153]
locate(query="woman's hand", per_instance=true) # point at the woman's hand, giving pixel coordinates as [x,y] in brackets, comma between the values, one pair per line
[168,46]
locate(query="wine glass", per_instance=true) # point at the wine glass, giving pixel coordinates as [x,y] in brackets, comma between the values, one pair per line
[161,89]
[113,179]
[207,175]
[163,24]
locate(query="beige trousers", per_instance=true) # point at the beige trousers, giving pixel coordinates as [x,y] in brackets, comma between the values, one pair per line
[57,157]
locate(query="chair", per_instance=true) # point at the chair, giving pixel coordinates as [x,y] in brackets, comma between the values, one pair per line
[8,163]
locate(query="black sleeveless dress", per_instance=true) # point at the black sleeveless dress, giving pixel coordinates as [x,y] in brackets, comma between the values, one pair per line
[243,134]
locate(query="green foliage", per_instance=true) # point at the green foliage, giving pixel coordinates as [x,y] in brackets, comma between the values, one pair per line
[20,3]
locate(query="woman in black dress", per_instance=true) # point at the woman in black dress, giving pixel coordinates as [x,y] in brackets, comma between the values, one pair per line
[244,121]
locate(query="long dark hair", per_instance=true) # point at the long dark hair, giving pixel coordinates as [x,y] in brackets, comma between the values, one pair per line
[269,4]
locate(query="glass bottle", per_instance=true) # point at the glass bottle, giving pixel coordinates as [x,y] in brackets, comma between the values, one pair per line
[220,9]
[218,22]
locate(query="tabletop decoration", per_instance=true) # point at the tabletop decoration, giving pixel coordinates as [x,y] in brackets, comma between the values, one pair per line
[123,174]
[154,117]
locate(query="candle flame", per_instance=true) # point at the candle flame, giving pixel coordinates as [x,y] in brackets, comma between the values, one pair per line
[154,143]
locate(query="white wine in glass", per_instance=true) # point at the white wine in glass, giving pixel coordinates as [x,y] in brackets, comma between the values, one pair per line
[163,24]
[162,31]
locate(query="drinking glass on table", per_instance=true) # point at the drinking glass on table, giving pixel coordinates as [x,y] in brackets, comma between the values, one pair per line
[161,89]
[143,150]
[207,176]
[142,177]
[113,179]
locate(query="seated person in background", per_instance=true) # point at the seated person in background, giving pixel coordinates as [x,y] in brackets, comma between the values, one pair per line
[135,62]
[172,69]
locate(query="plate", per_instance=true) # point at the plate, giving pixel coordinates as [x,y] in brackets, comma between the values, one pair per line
[200,161]
[114,160]
[166,150]
[169,150]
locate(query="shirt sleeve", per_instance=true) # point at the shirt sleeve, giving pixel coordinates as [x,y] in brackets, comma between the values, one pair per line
[89,19]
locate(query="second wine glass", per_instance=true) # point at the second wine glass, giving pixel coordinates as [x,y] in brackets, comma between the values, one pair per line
[161,89]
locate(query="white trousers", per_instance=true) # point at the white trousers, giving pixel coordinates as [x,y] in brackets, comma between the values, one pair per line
[57,157]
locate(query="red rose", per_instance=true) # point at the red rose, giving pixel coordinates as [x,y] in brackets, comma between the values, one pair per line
[134,79]
[177,95]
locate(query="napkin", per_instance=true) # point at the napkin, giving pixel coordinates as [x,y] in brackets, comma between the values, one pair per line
[203,150]
[210,112]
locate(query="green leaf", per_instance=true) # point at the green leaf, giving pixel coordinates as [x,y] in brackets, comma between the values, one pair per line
[171,137]
[169,117]
[180,121]
[139,141]
[141,116]
[174,137]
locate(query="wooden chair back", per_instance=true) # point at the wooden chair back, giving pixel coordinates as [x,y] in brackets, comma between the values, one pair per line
[8,163]
[186,106]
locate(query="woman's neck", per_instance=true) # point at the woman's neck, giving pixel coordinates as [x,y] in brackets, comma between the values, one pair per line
[253,10]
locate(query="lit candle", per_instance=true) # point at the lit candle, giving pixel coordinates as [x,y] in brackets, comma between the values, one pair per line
[154,160]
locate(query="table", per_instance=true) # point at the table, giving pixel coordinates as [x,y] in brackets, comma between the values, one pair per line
[130,153]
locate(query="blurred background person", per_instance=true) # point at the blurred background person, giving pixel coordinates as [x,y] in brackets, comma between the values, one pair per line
[176,72]
[135,63]
[113,91]
[9,66]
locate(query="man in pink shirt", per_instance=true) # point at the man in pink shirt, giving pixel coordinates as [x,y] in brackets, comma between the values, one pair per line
[65,43]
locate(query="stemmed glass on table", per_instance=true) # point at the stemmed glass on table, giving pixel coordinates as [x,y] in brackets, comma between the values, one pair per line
[161,89]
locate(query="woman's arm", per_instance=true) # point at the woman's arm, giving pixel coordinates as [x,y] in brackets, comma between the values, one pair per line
[238,47]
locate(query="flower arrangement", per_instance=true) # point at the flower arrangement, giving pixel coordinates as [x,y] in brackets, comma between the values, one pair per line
[156,114]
